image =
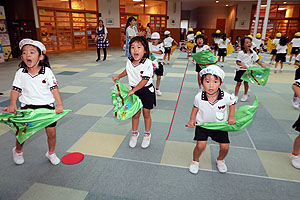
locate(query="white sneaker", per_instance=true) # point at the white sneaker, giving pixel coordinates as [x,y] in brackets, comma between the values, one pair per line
[280,70]
[244,97]
[18,157]
[133,139]
[158,92]
[53,158]
[295,104]
[275,71]
[146,140]
[221,166]
[194,167]
[236,98]
[295,161]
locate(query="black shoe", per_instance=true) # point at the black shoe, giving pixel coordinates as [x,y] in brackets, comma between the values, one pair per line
[104,59]
[97,59]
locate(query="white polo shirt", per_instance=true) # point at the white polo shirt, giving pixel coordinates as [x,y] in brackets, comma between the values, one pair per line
[168,42]
[247,59]
[190,37]
[223,44]
[144,70]
[257,42]
[216,112]
[217,40]
[295,42]
[35,90]
[276,41]
[198,49]
[298,58]
[253,46]
[159,47]
[281,49]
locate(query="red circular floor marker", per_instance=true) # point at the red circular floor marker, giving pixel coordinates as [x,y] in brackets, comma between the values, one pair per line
[72,158]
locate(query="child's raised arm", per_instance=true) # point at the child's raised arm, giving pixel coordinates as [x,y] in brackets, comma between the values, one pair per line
[13,102]
[191,123]
[124,73]
[231,119]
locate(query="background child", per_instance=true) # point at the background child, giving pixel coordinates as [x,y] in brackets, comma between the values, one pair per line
[295,159]
[281,49]
[297,77]
[223,47]
[140,71]
[168,44]
[274,51]
[295,46]
[200,46]
[217,37]
[246,58]
[190,38]
[37,85]
[211,105]
[157,49]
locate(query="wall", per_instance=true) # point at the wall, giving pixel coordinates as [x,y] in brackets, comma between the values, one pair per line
[174,14]
[243,16]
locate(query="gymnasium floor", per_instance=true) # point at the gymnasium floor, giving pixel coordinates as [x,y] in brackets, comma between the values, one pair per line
[258,161]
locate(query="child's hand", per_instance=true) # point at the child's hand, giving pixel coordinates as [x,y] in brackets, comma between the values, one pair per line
[231,120]
[11,109]
[263,66]
[59,109]
[115,78]
[130,93]
[191,123]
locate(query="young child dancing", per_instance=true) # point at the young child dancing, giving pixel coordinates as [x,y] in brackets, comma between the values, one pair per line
[37,86]
[139,70]
[211,105]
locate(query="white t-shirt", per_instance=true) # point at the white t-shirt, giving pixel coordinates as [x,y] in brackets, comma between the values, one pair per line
[198,49]
[295,42]
[223,44]
[159,47]
[281,49]
[35,90]
[276,41]
[257,42]
[247,59]
[217,40]
[253,46]
[298,58]
[216,112]
[131,32]
[136,73]
[190,37]
[168,42]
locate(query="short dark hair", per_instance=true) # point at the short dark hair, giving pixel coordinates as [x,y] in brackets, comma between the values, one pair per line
[144,42]
[202,78]
[243,41]
[203,38]
[283,41]
[45,62]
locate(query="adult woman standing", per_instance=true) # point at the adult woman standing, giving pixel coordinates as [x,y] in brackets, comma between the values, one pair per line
[101,39]
[148,32]
[131,31]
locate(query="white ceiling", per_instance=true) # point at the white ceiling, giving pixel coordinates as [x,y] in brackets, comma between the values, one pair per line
[192,4]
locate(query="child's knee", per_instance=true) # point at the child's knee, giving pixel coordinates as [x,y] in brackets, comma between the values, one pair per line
[224,147]
[51,132]
[200,147]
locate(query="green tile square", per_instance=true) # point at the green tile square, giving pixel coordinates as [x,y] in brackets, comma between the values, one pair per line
[112,125]
[163,116]
[40,191]
[170,96]
[72,89]
[98,110]
[100,75]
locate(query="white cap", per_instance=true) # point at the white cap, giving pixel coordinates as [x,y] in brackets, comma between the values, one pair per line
[213,69]
[155,35]
[35,43]
[167,32]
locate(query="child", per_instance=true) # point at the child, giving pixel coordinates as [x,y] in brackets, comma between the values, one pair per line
[157,49]
[190,38]
[37,85]
[258,43]
[222,47]
[217,37]
[237,44]
[295,46]
[211,105]
[281,49]
[200,46]
[140,71]
[168,44]
[295,159]
[274,51]
[246,58]
[297,77]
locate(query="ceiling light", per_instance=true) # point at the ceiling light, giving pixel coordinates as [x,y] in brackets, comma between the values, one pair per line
[263,6]
[217,1]
[284,2]
[281,8]
[136,0]
[227,5]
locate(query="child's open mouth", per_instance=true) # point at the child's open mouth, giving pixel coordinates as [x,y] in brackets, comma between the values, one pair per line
[135,55]
[29,61]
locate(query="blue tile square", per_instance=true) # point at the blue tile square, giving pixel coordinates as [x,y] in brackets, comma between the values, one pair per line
[67,73]
[7,103]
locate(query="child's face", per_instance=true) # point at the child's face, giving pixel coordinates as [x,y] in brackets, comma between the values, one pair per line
[31,56]
[247,44]
[137,51]
[155,41]
[200,41]
[211,84]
